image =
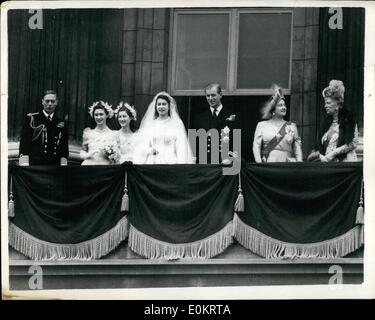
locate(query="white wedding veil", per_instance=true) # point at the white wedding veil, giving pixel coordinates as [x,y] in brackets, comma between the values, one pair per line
[149,116]
[184,153]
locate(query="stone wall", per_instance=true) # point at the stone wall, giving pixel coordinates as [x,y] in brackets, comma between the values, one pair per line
[303,108]
[145,55]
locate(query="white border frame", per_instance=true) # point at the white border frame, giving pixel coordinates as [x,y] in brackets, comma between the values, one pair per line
[366,290]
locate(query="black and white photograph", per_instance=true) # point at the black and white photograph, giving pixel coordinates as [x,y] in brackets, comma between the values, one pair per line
[187,151]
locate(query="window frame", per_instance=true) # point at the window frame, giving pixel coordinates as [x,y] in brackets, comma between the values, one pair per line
[233,41]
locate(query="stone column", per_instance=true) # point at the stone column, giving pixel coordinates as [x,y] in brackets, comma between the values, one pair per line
[145,55]
[303,108]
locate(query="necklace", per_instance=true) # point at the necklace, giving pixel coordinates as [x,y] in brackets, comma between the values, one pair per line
[164,119]
[101,129]
[126,136]
[126,133]
[277,123]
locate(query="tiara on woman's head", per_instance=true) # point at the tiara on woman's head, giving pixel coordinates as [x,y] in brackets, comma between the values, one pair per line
[272,102]
[278,93]
[164,93]
[105,105]
[127,107]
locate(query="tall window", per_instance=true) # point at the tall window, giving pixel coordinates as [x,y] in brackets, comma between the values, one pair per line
[244,50]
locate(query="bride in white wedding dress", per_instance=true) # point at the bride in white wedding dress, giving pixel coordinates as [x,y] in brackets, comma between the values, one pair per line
[162,138]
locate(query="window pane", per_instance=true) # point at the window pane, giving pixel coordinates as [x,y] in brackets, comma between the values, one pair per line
[263,50]
[201,50]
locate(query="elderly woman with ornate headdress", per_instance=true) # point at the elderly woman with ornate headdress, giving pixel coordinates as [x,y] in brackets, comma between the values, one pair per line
[275,139]
[126,116]
[338,138]
[100,145]
[162,137]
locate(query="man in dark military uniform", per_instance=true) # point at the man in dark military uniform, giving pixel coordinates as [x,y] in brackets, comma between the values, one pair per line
[216,117]
[44,137]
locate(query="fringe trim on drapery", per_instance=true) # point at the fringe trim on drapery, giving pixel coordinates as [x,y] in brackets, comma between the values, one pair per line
[11,201]
[360,218]
[239,206]
[271,248]
[206,248]
[92,249]
[125,197]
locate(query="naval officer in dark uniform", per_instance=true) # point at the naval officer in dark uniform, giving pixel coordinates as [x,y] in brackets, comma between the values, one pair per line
[44,137]
[216,117]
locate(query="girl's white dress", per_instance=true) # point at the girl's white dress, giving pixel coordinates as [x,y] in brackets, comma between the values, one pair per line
[96,140]
[127,143]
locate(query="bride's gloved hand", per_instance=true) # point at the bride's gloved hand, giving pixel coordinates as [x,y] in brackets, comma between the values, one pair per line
[87,155]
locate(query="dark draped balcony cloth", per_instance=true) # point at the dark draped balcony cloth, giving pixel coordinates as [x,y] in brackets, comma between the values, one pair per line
[300,210]
[68,212]
[181,211]
[186,211]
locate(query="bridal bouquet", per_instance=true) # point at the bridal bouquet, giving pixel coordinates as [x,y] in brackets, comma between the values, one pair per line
[112,153]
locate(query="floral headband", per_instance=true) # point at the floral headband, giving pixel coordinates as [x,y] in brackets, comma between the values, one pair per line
[127,107]
[105,105]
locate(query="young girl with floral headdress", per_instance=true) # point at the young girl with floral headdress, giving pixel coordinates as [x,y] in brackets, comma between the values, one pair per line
[100,145]
[126,116]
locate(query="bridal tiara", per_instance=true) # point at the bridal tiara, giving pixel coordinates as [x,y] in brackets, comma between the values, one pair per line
[128,107]
[104,104]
